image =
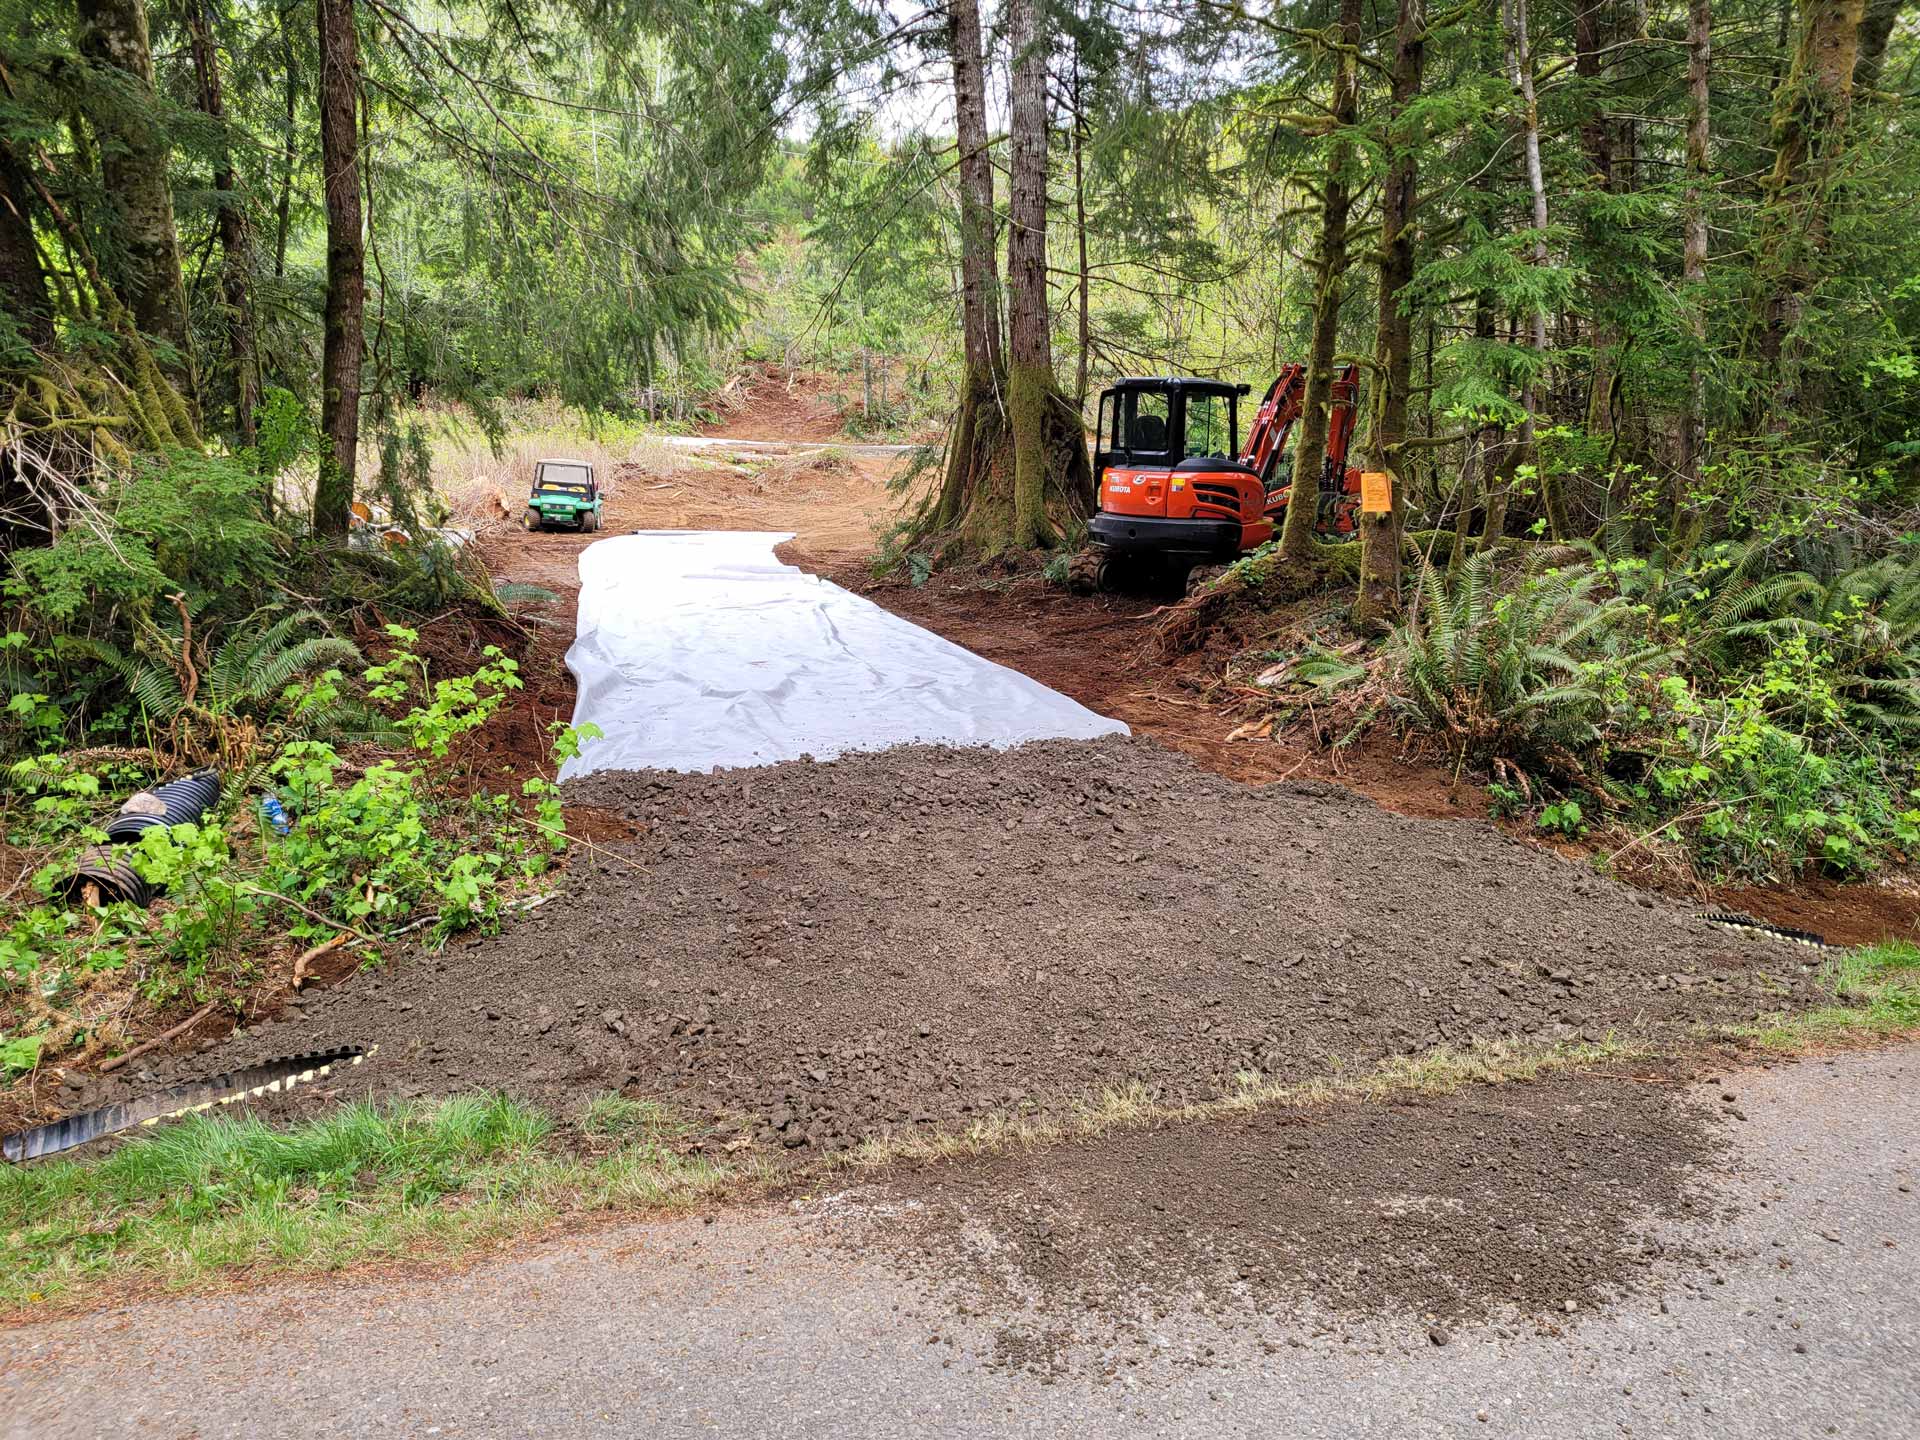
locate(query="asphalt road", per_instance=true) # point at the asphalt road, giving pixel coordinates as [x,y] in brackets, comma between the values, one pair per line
[746,1327]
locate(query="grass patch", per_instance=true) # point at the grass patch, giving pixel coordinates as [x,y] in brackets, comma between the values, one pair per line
[615,1117]
[214,1193]
[1876,993]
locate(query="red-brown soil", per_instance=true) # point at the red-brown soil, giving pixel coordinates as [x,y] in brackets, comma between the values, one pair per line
[1507,1200]
[1089,648]
[764,405]
[1094,649]
[802,956]
[1859,914]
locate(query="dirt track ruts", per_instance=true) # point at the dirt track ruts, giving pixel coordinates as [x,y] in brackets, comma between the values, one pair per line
[813,953]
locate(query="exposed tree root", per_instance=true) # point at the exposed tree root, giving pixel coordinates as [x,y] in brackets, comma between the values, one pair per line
[977,513]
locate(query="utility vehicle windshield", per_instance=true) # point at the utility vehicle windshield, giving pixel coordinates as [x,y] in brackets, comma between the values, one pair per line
[564,480]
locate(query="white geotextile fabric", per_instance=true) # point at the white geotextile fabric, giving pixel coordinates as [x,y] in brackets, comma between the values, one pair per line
[698,648]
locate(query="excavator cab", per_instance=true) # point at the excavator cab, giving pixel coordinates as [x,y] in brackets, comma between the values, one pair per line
[1170,422]
[1167,463]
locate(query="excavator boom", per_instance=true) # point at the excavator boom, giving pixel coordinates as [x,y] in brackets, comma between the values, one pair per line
[1273,422]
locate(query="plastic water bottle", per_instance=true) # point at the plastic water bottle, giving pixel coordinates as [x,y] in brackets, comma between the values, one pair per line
[276,814]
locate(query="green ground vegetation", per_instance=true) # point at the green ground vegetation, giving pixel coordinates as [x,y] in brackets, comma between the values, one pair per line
[209,1195]
[1754,705]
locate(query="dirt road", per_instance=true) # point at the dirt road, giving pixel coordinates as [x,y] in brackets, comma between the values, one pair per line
[1770,1294]
[801,957]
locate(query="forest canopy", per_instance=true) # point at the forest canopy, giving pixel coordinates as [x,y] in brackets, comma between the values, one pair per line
[1651,262]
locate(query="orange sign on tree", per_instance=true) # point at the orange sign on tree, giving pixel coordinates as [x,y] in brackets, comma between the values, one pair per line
[1376,492]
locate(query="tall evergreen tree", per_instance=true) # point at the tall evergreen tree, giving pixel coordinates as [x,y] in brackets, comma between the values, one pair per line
[135,154]
[339,93]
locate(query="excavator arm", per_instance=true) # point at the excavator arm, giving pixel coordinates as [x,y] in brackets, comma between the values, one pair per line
[1273,422]
[1267,442]
[1341,415]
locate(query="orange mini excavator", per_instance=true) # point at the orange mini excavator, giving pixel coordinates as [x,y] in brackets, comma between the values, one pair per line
[1177,491]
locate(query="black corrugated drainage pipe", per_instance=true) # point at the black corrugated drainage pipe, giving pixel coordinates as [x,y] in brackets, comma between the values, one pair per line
[173,803]
[272,1077]
[109,868]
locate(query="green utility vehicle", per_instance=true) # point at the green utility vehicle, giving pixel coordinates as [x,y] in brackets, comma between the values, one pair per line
[564,493]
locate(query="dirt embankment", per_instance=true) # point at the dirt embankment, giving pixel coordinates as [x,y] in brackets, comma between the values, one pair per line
[805,955]
[768,404]
[1093,649]
[1539,1201]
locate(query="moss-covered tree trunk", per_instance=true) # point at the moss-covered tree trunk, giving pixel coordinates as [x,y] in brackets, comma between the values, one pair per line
[985,363]
[144,267]
[1809,128]
[979,269]
[1329,288]
[1016,456]
[346,268]
[236,234]
[1379,596]
[1499,469]
[1049,453]
[290,154]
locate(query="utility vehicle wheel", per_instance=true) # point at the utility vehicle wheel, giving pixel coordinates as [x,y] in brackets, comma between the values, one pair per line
[593,520]
[530,520]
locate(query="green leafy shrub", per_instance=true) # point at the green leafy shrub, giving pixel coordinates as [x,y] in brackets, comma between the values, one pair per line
[447,708]
[182,522]
[1528,670]
[379,852]
[1756,716]
[1758,792]
[1565,817]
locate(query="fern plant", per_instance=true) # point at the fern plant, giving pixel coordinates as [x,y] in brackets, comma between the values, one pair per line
[1526,670]
[221,706]
[1861,624]
[247,676]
